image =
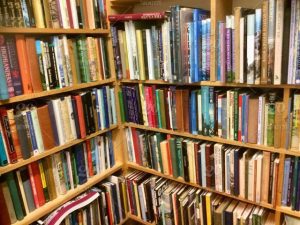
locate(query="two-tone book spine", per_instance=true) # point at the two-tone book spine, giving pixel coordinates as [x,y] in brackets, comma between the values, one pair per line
[257,46]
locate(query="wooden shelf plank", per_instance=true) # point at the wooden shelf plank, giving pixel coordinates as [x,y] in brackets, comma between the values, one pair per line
[139,220]
[43,31]
[180,180]
[52,205]
[288,211]
[207,138]
[46,153]
[55,91]
[211,83]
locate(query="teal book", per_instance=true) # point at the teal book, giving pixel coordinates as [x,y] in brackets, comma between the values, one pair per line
[205,110]
[3,85]
[15,195]
[3,157]
[179,157]
[158,108]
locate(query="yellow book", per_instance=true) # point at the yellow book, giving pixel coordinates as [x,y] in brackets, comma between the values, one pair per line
[126,209]
[126,54]
[136,194]
[143,104]
[164,156]
[38,14]
[140,48]
[208,207]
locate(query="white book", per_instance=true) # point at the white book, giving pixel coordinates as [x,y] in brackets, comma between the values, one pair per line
[219,162]
[227,171]
[69,164]
[261,119]
[169,98]
[278,41]
[101,108]
[67,61]
[63,62]
[74,14]
[199,107]
[58,120]
[259,177]
[71,117]
[150,55]
[167,51]
[106,147]
[136,66]
[37,130]
[292,41]
[59,66]
[242,176]
[191,161]
[64,13]
[203,165]
[129,49]
[250,48]
[251,178]
[113,106]
[142,201]
[242,33]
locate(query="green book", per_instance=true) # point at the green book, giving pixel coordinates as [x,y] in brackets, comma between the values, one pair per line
[179,157]
[271,119]
[15,195]
[83,59]
[74,169]
[295,181]
[75,51]
[236,114]
[158,109]
[121,102]
[162,109]
[172,143]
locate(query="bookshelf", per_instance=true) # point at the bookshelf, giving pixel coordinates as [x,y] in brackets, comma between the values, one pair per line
[52,31]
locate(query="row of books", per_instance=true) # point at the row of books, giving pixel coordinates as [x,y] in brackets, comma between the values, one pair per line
[34,129]
[260,46]
[30,187]
[166,202]
[237,114]
[176,48]
[291,183]
[30,65]
[246,173]
[53,14]
[293,128]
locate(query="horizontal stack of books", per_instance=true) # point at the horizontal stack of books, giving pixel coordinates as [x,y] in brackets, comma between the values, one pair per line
[246,173]
[30,130]
[260,46]
[30,187]
[173,46]
[53,14]
[31,65]
[166,202]
[209,112]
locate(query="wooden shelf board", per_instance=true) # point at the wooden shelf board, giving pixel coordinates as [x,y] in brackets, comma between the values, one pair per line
[207,138]
[55,91]
[288,211]
[139,220]
[42,31]
[211,83]
[52,205]
[180,180]
[46,153]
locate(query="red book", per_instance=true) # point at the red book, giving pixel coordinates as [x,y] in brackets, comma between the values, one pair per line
[89,158]
[109,208]
[138,16]
[4,122]
[70,13]
[136,146]
[153,108]
[167,108]
[148,106]
[80,115]
[24,64]
[36,183]
[169,159]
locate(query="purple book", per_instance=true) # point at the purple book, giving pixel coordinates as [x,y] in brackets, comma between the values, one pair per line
[228,40]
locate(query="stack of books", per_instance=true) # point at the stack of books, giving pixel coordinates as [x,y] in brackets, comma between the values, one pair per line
[246,173]
[173,46]
[156,199]
[53,14]
[207,111]
[260,46]
[30,130]
[30,187]
[31,65]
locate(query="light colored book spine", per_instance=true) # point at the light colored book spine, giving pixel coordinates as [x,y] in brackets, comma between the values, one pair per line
[199,101]
[59,66]
[242,176]
[241,52]
[258,177]
[140,51]
[37,130]
[250,181]
[292,40]
[74,14]
[66,121]
[295,124]
[22,191]
[219,116]
[92,58]
[129,49]
[237,46]
[136,66]
[63,63]
[124,60]
[278,41]
[67,60]
[250,48]
[101,104]
[223,53]
[143,105]
[59,120]
[69,164]
[264,42]
[257,46]
[266,123]
[191,160]
[64,13]
[150,55]
[227,171]
[217,168]
[71,117]
[204,47]
[261,122]
[45,64]
[167,51]
[203,165]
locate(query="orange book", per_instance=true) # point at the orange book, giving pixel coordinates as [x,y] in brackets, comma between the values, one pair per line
[89,158]
[80,115]
[24,64]
[36,184]
[35,76]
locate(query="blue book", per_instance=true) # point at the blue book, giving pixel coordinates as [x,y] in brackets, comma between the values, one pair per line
[193,111]
[197,43]
[25,13]
[219,51]
[287,163]
[105,103]
[111,149]
[207,70]
[203,66]
[3,85]
[205,108]
[3,157]
[32,133]
[191,46]
[211,112]
[80,163]
[95,158]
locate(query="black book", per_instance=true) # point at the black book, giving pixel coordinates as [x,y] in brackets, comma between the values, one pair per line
[54,74]
[185,161]
[75,115]
[88,113]
[24,136]
[145,53]
[80,163]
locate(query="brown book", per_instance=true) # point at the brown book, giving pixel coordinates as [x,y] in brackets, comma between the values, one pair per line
[209,163]
[5,217]
[8,203]
[47,163]
[85,20]
[14,133]
[34,70]
[98,59]
[46,127]
[179,110]
[72,61]
[253,120]
[265,176]
[185,109]
[46,10]
[279,106]
[264,42]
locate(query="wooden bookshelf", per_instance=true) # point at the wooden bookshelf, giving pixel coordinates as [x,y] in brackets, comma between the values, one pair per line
[180,180]
[49,93]
[52,205]
[23,162]
[288,211]
[139,220]
[51,31]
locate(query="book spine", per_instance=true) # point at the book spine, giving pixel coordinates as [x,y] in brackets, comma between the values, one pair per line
[271,40]
[257,46]
[116,50]
[264,42]
[250,48]
[228,40]
[292,41]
